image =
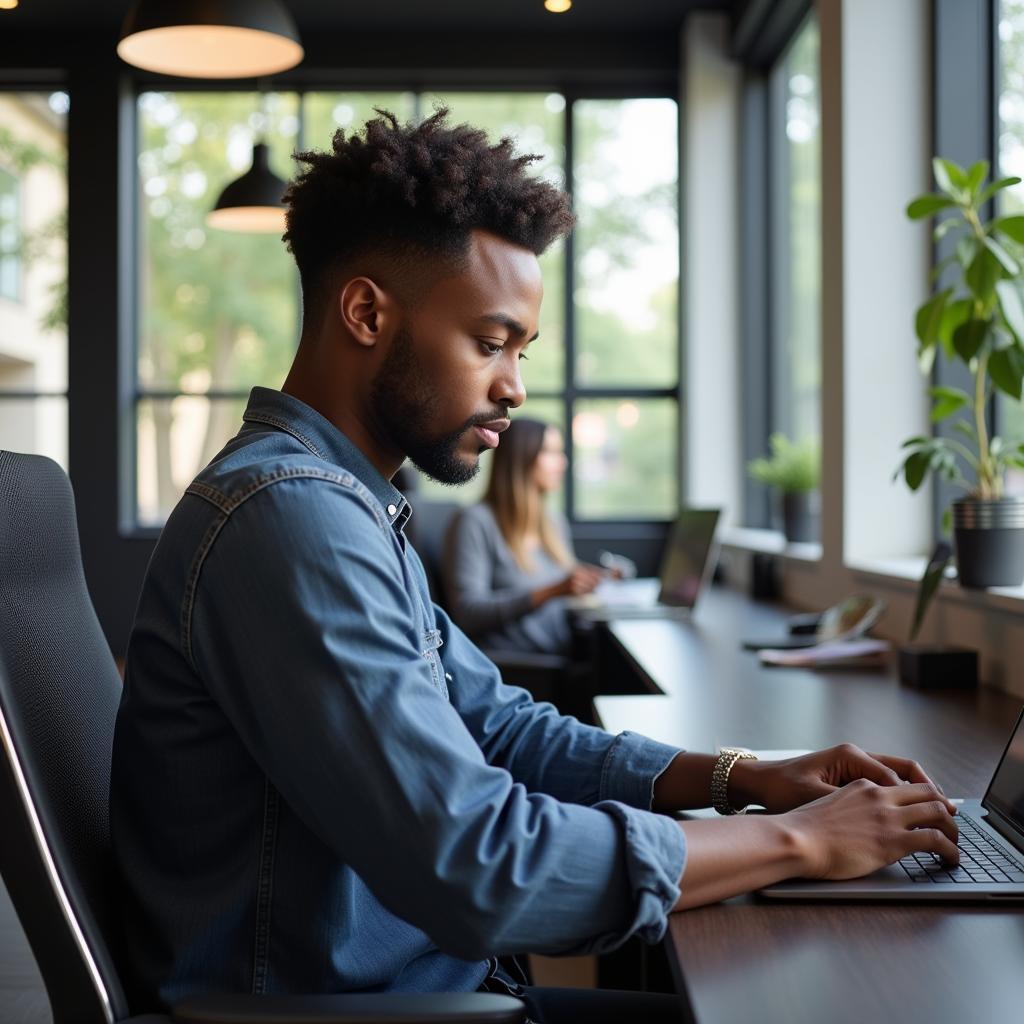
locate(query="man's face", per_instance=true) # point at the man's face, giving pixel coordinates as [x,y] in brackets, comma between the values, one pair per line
[451,375]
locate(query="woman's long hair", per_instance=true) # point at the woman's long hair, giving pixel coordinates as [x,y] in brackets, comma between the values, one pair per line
[514,498]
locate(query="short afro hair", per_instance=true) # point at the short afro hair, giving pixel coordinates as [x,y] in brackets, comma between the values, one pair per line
[413,193]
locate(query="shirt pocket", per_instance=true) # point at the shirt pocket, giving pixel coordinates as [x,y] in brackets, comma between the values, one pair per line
[431,645]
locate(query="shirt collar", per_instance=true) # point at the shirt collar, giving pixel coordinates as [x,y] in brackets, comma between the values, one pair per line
[326,441]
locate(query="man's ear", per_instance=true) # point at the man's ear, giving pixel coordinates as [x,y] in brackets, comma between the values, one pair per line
[367,311]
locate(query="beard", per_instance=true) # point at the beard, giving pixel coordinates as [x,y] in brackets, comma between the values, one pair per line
[404,404]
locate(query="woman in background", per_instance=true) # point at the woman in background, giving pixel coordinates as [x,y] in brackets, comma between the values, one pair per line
[509,560]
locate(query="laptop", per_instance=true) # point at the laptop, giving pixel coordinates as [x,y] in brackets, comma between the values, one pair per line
[991,851]
[686,566]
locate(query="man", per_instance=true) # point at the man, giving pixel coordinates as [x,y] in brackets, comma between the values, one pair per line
[319,784]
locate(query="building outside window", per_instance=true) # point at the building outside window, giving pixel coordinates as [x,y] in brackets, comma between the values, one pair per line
[219,312]
[33,273]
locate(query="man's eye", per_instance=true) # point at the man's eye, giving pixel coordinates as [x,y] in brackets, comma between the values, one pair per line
[489,348]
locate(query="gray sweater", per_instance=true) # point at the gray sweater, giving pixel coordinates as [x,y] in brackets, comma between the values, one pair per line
[489,594]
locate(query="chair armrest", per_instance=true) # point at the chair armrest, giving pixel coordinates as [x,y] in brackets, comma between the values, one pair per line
[356,1008]
[543,675]
[528,660]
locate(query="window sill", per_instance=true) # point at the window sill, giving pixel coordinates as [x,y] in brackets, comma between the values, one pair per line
[906,573]
[769,542]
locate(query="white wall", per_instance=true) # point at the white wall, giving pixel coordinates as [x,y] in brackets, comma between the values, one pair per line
[885,152]
[709,112]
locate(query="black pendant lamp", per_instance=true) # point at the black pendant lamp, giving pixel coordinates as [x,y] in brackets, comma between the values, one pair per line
[251,203]
[210,38]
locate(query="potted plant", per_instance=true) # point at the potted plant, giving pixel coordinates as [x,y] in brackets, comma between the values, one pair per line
[793,470]
[978,321]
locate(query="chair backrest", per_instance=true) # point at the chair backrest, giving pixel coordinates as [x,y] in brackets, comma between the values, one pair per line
[428,527]
[59,691]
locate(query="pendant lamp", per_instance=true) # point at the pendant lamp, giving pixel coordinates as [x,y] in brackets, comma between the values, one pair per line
[252,202]
[210,38]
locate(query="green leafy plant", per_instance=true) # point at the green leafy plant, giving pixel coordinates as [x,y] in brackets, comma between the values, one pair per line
[979,321]
[794,467]
[929,586]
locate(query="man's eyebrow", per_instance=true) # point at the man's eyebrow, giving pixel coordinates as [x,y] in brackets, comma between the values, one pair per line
[510,323]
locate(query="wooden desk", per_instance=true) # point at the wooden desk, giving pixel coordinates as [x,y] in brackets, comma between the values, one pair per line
[748,959]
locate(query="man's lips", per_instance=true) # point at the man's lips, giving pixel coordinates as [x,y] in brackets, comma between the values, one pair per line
[488,432]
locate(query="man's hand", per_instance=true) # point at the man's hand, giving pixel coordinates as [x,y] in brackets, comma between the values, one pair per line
[864,826]
[850,832]
[783,785]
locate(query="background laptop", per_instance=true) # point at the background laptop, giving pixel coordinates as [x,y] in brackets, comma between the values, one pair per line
[991,851]
[686,566]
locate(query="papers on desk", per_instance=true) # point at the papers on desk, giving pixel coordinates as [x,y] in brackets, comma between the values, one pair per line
[866,652]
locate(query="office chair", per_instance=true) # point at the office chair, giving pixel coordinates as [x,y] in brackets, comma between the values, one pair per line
[59,691]
[543,675]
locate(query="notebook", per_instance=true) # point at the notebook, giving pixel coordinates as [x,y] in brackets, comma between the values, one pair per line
[991,851]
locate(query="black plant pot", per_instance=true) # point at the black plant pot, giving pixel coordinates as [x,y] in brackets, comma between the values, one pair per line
[800,516]
[989,537]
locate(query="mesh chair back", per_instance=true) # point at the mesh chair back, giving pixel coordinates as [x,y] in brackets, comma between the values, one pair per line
[428,527]
[59,691]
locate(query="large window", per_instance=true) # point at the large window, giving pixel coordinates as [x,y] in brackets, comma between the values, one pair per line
[625,309]
[33,273]
[218,312]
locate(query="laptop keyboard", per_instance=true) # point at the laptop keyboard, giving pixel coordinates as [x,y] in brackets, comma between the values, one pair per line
[980,860]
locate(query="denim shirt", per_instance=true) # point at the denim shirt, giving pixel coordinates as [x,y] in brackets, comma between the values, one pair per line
[320,784]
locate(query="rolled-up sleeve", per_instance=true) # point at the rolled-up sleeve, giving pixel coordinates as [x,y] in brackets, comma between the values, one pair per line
[429,797]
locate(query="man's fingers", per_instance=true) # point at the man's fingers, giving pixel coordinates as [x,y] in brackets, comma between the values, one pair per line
[932,814]
[858,764]
[931,840]
[905,768]
[915,793]
[913,773]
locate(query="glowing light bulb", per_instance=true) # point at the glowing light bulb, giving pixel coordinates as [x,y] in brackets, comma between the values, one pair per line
[8,5]
[557,6]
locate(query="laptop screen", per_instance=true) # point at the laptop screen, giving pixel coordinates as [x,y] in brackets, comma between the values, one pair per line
[1006,790]
[685,563]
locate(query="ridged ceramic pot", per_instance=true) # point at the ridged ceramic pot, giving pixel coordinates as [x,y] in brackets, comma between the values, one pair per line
[801,515]
[989,537]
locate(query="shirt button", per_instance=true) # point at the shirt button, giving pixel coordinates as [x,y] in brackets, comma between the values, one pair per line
[392,509]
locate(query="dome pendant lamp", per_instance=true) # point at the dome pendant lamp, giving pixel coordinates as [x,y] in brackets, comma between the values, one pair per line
[251,203]
[210,38]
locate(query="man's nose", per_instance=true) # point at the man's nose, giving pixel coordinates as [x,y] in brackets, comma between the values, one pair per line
[508,386]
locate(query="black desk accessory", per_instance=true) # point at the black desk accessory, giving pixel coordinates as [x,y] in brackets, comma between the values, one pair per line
[804,624]
[935,665]
[764,576]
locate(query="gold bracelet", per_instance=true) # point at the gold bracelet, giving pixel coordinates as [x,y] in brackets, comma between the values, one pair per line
[720,778]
